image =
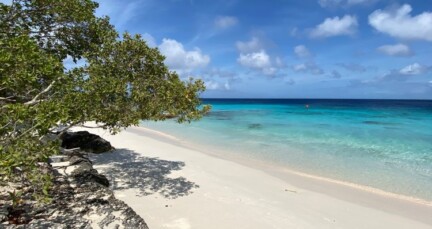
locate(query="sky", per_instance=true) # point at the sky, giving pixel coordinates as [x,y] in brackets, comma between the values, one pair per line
[289,48]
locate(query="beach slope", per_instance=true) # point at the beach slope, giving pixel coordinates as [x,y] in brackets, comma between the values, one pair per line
[173,186]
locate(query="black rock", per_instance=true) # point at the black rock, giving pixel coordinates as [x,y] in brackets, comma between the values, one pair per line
[75,160]
[86,141]
[83,175]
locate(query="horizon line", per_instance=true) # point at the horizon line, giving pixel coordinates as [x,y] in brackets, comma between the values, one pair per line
[320,98]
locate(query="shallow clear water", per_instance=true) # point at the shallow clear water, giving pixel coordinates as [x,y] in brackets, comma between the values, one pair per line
[386,144]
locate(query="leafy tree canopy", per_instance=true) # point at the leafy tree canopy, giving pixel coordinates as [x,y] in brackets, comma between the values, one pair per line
[122,81]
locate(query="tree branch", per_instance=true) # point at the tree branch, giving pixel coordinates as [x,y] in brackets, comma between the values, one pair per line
[93,127]
[27,131]
[60,135]
[7,124]
[8,99]
[36,99]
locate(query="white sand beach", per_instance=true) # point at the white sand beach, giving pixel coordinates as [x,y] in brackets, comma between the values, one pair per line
[173,186]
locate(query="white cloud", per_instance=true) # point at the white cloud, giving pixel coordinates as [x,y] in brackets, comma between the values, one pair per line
[405,73]
[336,3]
[294,32]
[301,51]
[414,69]
[213,85]
[224,22]
[180,59]
[347,25]
[279,62]
[227,86]
[121,13]
[257,60]
[400,23]
[151,41]
[218,72]
[69,63]
[299,67]
[253,45]
[395,50]
[270,71]
[329,3]
[254,56]
[260,61]
[357,2]
[309,67]
[353,67]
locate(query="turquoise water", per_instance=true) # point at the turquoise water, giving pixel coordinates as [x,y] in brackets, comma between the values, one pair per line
[386,144]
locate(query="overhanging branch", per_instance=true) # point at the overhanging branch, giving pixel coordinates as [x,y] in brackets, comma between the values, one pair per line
[7,99]
[36,99]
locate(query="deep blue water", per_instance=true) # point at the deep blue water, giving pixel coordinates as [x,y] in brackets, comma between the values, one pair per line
[385,144]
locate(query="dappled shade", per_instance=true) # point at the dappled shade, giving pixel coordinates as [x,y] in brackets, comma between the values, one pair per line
[128,169]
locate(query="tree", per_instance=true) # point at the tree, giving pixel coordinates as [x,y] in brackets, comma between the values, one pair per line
[122,81]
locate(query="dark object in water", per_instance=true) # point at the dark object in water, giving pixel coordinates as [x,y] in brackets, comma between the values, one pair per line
[255,126]
[379,123]
[221,115]
[372,122]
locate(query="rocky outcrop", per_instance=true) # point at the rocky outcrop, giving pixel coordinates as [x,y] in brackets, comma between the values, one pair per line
[80,199]
[86,141]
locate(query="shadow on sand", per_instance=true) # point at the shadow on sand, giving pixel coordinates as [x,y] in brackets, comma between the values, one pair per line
[128,169]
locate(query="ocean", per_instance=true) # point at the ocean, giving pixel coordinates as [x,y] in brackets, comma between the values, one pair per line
[384,144]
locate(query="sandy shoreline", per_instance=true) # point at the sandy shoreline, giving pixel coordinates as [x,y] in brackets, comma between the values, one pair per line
[173,186]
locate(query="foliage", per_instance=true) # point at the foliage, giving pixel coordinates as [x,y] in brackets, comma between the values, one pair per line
[122,81]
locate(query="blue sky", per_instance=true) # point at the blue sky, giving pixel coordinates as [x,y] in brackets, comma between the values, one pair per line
[289,48]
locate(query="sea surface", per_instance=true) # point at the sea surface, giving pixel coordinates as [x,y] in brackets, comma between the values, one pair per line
[385,144]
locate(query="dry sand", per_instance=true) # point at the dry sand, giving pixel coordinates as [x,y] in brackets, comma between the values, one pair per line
[173,186]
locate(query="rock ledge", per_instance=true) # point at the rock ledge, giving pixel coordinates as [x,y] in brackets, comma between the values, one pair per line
[80,199]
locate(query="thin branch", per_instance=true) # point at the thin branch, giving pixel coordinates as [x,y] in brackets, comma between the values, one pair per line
[93,127]
[7,124]
[8,99]
[29,92]
[27,131]
[36,99]
[60,135]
